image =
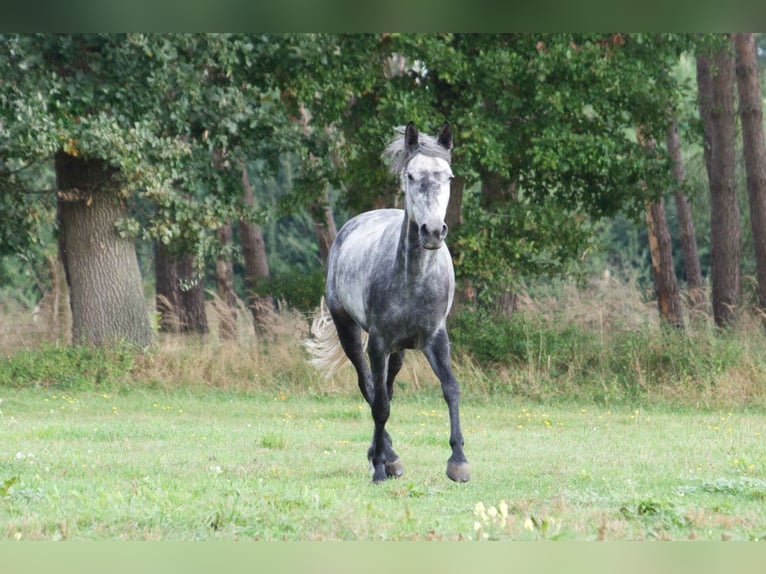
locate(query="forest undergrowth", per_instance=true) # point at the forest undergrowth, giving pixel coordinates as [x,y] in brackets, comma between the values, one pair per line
[600,343]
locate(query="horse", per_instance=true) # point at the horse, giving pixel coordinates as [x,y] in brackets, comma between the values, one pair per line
[390,279]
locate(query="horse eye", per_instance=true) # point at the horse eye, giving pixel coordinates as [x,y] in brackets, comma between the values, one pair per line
[410,176]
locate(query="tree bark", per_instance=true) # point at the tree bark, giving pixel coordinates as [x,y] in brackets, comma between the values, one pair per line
[455,206]
[666,284]
[687,237]
[180,292]
[192,289]
[661,249]
[754,151]
[717,110]
[167,294]
[224,280]
[324,226]
[256,262]
[106,294]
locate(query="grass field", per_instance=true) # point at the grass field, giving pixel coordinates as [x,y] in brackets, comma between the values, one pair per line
[159,464]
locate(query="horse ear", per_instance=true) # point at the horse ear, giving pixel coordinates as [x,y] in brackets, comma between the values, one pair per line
[445,137]
[411,137]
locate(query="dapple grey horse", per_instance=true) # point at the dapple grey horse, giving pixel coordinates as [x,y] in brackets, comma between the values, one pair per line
[390,274]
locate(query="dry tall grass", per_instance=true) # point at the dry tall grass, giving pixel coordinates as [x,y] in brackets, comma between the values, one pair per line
[619,353]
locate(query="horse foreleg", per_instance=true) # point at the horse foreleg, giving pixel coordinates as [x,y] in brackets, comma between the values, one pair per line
[438,354]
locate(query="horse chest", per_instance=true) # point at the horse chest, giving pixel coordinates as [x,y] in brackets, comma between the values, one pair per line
[408,313]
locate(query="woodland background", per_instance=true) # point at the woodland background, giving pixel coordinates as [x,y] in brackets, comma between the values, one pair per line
[192,184]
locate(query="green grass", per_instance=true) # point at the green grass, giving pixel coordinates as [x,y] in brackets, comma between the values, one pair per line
[218,464]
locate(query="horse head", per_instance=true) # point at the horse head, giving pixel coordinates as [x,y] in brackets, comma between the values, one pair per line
[426,183]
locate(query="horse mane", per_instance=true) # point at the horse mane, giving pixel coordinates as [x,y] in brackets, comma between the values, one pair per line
[398,158]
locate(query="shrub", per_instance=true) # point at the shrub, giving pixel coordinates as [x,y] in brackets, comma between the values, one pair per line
[301,291]
[80,368]
[499,340]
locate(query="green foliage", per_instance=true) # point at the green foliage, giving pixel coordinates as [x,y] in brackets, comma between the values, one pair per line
[71,368]
[500,243]
[551,117]
[544,122]
[554,357]
[498,340]
[22,280]
[299,290]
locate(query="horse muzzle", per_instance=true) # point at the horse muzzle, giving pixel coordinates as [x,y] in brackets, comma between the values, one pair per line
[432,237]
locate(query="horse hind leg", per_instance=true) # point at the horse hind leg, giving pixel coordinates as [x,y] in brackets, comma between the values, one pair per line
[350,337]
[393,466]
[393,462]
[382,458]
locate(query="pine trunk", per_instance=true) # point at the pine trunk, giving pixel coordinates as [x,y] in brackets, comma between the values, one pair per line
[668,298]
[754,150]
[717,110]
[105,290]
[687,237]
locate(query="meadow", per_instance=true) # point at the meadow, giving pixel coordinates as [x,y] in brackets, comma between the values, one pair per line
[607,430]
[183,465]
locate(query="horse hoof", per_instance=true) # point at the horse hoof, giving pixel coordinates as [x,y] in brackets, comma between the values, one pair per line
[394,468]
[379,476]
[458,471]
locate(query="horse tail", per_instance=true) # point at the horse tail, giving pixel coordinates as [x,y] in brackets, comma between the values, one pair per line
[327,355]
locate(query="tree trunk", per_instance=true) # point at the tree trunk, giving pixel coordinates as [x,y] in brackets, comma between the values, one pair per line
[687,237]
[666,284]
[754,150]
[660,247]
[717,110]
[106,294]
[59,312]
[167,293]
[224,280]
[180,294]
[324,226]
[192,288]
[256,262]
[455,206]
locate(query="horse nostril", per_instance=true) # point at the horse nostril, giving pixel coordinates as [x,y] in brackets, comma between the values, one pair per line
[432,237]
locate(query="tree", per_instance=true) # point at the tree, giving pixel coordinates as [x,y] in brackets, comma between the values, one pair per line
[715,78]
[152,110]
[754,150]
[101,267]
[666,283]
[167,293]
[660,247]
[543,125]
[687,237]
[256,263]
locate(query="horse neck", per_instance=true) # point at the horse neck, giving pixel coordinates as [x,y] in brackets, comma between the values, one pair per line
[412,257]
